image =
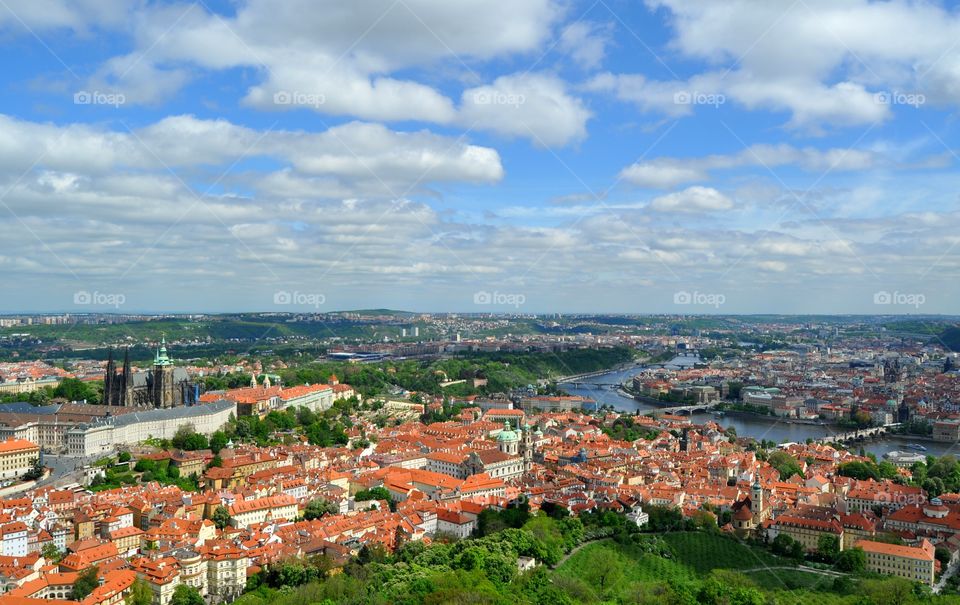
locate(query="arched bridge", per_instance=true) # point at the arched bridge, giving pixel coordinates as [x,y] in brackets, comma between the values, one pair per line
[860,434]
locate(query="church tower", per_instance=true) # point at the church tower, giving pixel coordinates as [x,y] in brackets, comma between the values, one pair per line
[126,381]
[163,387]
[109,381]
[757,507]
[527,448]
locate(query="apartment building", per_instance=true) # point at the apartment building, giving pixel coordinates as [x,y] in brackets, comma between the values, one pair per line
[16,457]
[910,562]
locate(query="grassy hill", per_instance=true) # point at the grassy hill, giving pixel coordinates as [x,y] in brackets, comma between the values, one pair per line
[698,564]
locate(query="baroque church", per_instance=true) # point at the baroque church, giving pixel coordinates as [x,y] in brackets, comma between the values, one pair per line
[512,458]
[163,386]
[750,512]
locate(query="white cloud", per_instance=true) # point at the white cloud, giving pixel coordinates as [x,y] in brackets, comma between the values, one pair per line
[661,174]
[344,60]
[535,106]
[665,173]
[824,63]
[585,42]
[357,157]
[77,15]
[692,200]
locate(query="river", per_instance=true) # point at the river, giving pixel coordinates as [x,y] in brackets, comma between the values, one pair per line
[758,427]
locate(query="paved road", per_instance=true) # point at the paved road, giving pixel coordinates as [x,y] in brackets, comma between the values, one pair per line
[951,569]
[822,572]
[575,549]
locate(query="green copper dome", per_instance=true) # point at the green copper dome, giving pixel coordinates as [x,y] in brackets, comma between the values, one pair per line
[506,434]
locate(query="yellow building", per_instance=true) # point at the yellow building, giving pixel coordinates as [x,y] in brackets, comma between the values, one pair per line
[16,457]
[911,562]
[807,531]
[245,513]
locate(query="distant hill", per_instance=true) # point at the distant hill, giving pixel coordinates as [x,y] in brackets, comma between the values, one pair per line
[951,338]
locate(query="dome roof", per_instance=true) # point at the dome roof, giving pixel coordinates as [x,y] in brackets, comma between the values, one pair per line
[506,434]
[743,514]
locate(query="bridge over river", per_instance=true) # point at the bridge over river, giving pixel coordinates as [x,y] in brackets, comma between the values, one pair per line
[860,434]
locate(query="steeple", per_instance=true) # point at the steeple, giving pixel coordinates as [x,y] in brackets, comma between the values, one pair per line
[126,382]
[162,359]
[109,378]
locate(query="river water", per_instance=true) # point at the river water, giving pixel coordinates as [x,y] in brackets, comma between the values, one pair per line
[758,427]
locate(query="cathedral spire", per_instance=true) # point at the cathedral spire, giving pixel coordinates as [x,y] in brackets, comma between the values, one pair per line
[125,380]
[109,378]
[162,359]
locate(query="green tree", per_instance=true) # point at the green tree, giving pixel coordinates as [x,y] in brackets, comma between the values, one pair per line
[890,591]
[35,471]
[785,464]
[124,457]
[50,552]
[606,569]
[318,508]
[784,545]
[221,517]
[852,560]
[186,595]
[73,389]
[828,547]
[375,493]
[85,583]
[186,438]
[218,441]
[140,594]
[942,554]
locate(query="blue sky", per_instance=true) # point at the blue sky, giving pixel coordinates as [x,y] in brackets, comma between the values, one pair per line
[672,156]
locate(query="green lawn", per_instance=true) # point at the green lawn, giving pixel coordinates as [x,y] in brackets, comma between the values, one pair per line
[695,556]
[704,552]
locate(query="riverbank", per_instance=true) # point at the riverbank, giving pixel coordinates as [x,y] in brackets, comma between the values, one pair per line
[758,427]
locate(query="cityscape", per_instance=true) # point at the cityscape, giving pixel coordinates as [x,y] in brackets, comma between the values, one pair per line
[539,302]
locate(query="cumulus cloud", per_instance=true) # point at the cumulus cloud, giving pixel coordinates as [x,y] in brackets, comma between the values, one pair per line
[692,200]
[360,157]
[346,60]
[665,173]
[585,42]
[535,106]
[825,64]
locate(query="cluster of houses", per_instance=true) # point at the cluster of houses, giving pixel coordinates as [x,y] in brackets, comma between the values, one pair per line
[250,509]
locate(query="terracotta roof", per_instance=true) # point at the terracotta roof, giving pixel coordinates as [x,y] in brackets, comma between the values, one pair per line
[924,552]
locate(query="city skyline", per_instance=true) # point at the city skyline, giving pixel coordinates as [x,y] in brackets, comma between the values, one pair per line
[536,156]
